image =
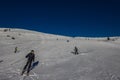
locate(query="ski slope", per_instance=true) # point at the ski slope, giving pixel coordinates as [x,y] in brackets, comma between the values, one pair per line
[98,59]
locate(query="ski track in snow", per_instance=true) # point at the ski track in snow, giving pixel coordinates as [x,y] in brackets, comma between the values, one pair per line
[98,59]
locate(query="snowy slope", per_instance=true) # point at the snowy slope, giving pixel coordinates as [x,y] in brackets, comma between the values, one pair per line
[99,59]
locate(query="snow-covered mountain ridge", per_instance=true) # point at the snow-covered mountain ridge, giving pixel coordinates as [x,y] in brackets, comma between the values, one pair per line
[98,58]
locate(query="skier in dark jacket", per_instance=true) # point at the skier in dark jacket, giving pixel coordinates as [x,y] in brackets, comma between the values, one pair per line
[31,57]
[76,51]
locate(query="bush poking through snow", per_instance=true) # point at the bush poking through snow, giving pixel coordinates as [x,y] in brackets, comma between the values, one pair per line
[68,41]
[13,38]
[19,34]
[1,61]
[8,35]
[5,30]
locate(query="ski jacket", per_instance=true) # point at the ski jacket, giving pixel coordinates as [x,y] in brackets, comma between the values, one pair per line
[30,56]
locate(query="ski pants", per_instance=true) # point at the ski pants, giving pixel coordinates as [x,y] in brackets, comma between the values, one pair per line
[28,66]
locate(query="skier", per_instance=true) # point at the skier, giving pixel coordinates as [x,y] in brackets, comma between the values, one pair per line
[31,57]
[16,49]
[76,51]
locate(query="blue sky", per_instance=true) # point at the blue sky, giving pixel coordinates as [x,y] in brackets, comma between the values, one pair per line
[89,18]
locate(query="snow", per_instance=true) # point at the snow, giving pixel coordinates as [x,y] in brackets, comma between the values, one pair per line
[99,59]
